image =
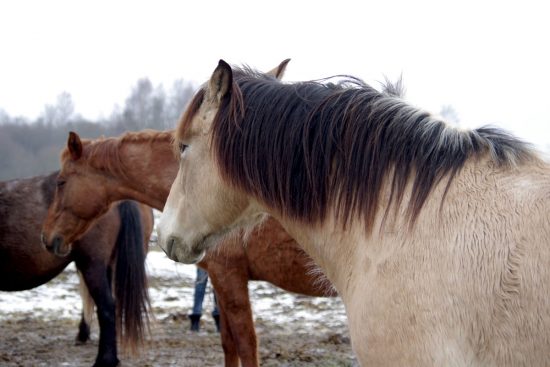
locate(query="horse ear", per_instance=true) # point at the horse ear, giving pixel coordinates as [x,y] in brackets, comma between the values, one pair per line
[279,71]
[75,145]
[220,82]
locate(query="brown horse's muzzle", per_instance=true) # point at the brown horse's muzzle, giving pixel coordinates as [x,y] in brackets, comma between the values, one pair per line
[56,246]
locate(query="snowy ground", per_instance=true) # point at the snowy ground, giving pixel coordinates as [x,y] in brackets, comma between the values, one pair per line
[60,297]
[293,330]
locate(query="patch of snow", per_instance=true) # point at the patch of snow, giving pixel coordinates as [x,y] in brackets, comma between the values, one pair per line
[171,290]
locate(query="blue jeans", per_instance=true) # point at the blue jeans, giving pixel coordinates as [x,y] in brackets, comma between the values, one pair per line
[200,289]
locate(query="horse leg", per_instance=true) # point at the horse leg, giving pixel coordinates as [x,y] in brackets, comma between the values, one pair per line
[237,325]
[98,283]
[87,311]
[230,355]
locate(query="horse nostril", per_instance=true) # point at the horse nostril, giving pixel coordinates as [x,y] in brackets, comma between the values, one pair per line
[56,244]
[170,245]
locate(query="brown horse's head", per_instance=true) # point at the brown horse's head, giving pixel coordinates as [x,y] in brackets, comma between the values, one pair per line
[80,198]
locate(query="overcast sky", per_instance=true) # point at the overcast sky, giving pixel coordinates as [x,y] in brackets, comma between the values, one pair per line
[488,59]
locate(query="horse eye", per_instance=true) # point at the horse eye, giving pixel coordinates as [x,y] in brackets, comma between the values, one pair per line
[60,183]
[182,147]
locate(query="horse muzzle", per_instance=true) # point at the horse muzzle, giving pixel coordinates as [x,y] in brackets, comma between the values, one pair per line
[55,246]
[175,249]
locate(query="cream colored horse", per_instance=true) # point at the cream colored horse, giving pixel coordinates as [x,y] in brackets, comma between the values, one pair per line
[437,239]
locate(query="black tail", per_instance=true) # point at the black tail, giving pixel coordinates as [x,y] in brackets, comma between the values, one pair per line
[131,295]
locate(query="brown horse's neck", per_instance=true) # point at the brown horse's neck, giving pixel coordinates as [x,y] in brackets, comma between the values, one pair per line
[147,169]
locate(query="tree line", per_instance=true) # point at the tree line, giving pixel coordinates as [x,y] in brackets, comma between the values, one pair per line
[32,147]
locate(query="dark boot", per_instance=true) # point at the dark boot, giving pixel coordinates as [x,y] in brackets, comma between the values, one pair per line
[195,322]
[217,321]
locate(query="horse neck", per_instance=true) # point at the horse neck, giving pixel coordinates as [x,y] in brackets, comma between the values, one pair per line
[149,168]
[331,249]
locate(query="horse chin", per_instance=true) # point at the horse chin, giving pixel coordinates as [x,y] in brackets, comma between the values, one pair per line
[179,255]
[191,258]
[177,251]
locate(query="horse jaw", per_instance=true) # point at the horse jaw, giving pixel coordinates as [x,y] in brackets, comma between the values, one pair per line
[190,245]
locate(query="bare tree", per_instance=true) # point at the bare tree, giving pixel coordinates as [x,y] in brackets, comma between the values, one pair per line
[4,117]
[180,95]
[138,105]
[29,148]
[61,112]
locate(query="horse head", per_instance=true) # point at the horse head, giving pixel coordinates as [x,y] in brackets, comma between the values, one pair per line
[80,198]
[202,206]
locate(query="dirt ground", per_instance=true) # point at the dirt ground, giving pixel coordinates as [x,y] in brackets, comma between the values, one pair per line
[293,330]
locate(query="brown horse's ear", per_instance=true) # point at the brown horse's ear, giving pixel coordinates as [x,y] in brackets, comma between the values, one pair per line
[220,82]
[75,145]
[279,71]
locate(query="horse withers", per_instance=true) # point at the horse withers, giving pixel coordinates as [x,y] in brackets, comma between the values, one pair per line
[436,238]
[114,245]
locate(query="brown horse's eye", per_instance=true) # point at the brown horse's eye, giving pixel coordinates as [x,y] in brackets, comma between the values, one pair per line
[182,147]
[60,183]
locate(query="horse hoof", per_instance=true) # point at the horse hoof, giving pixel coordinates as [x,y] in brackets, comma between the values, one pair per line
[83,334]
[112,363]
[82,337]
[79,342]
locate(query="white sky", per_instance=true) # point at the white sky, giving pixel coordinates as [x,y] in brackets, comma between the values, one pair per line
[488,59]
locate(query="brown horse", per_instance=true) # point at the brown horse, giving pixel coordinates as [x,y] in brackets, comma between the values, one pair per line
[142,166]
[112,252]
[436,238]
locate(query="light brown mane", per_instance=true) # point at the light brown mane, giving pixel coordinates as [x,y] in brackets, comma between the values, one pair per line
[104,153]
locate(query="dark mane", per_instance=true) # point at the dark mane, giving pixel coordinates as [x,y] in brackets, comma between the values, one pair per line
[304,148]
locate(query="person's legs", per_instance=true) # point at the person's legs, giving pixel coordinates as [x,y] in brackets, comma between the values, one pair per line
[200,289]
